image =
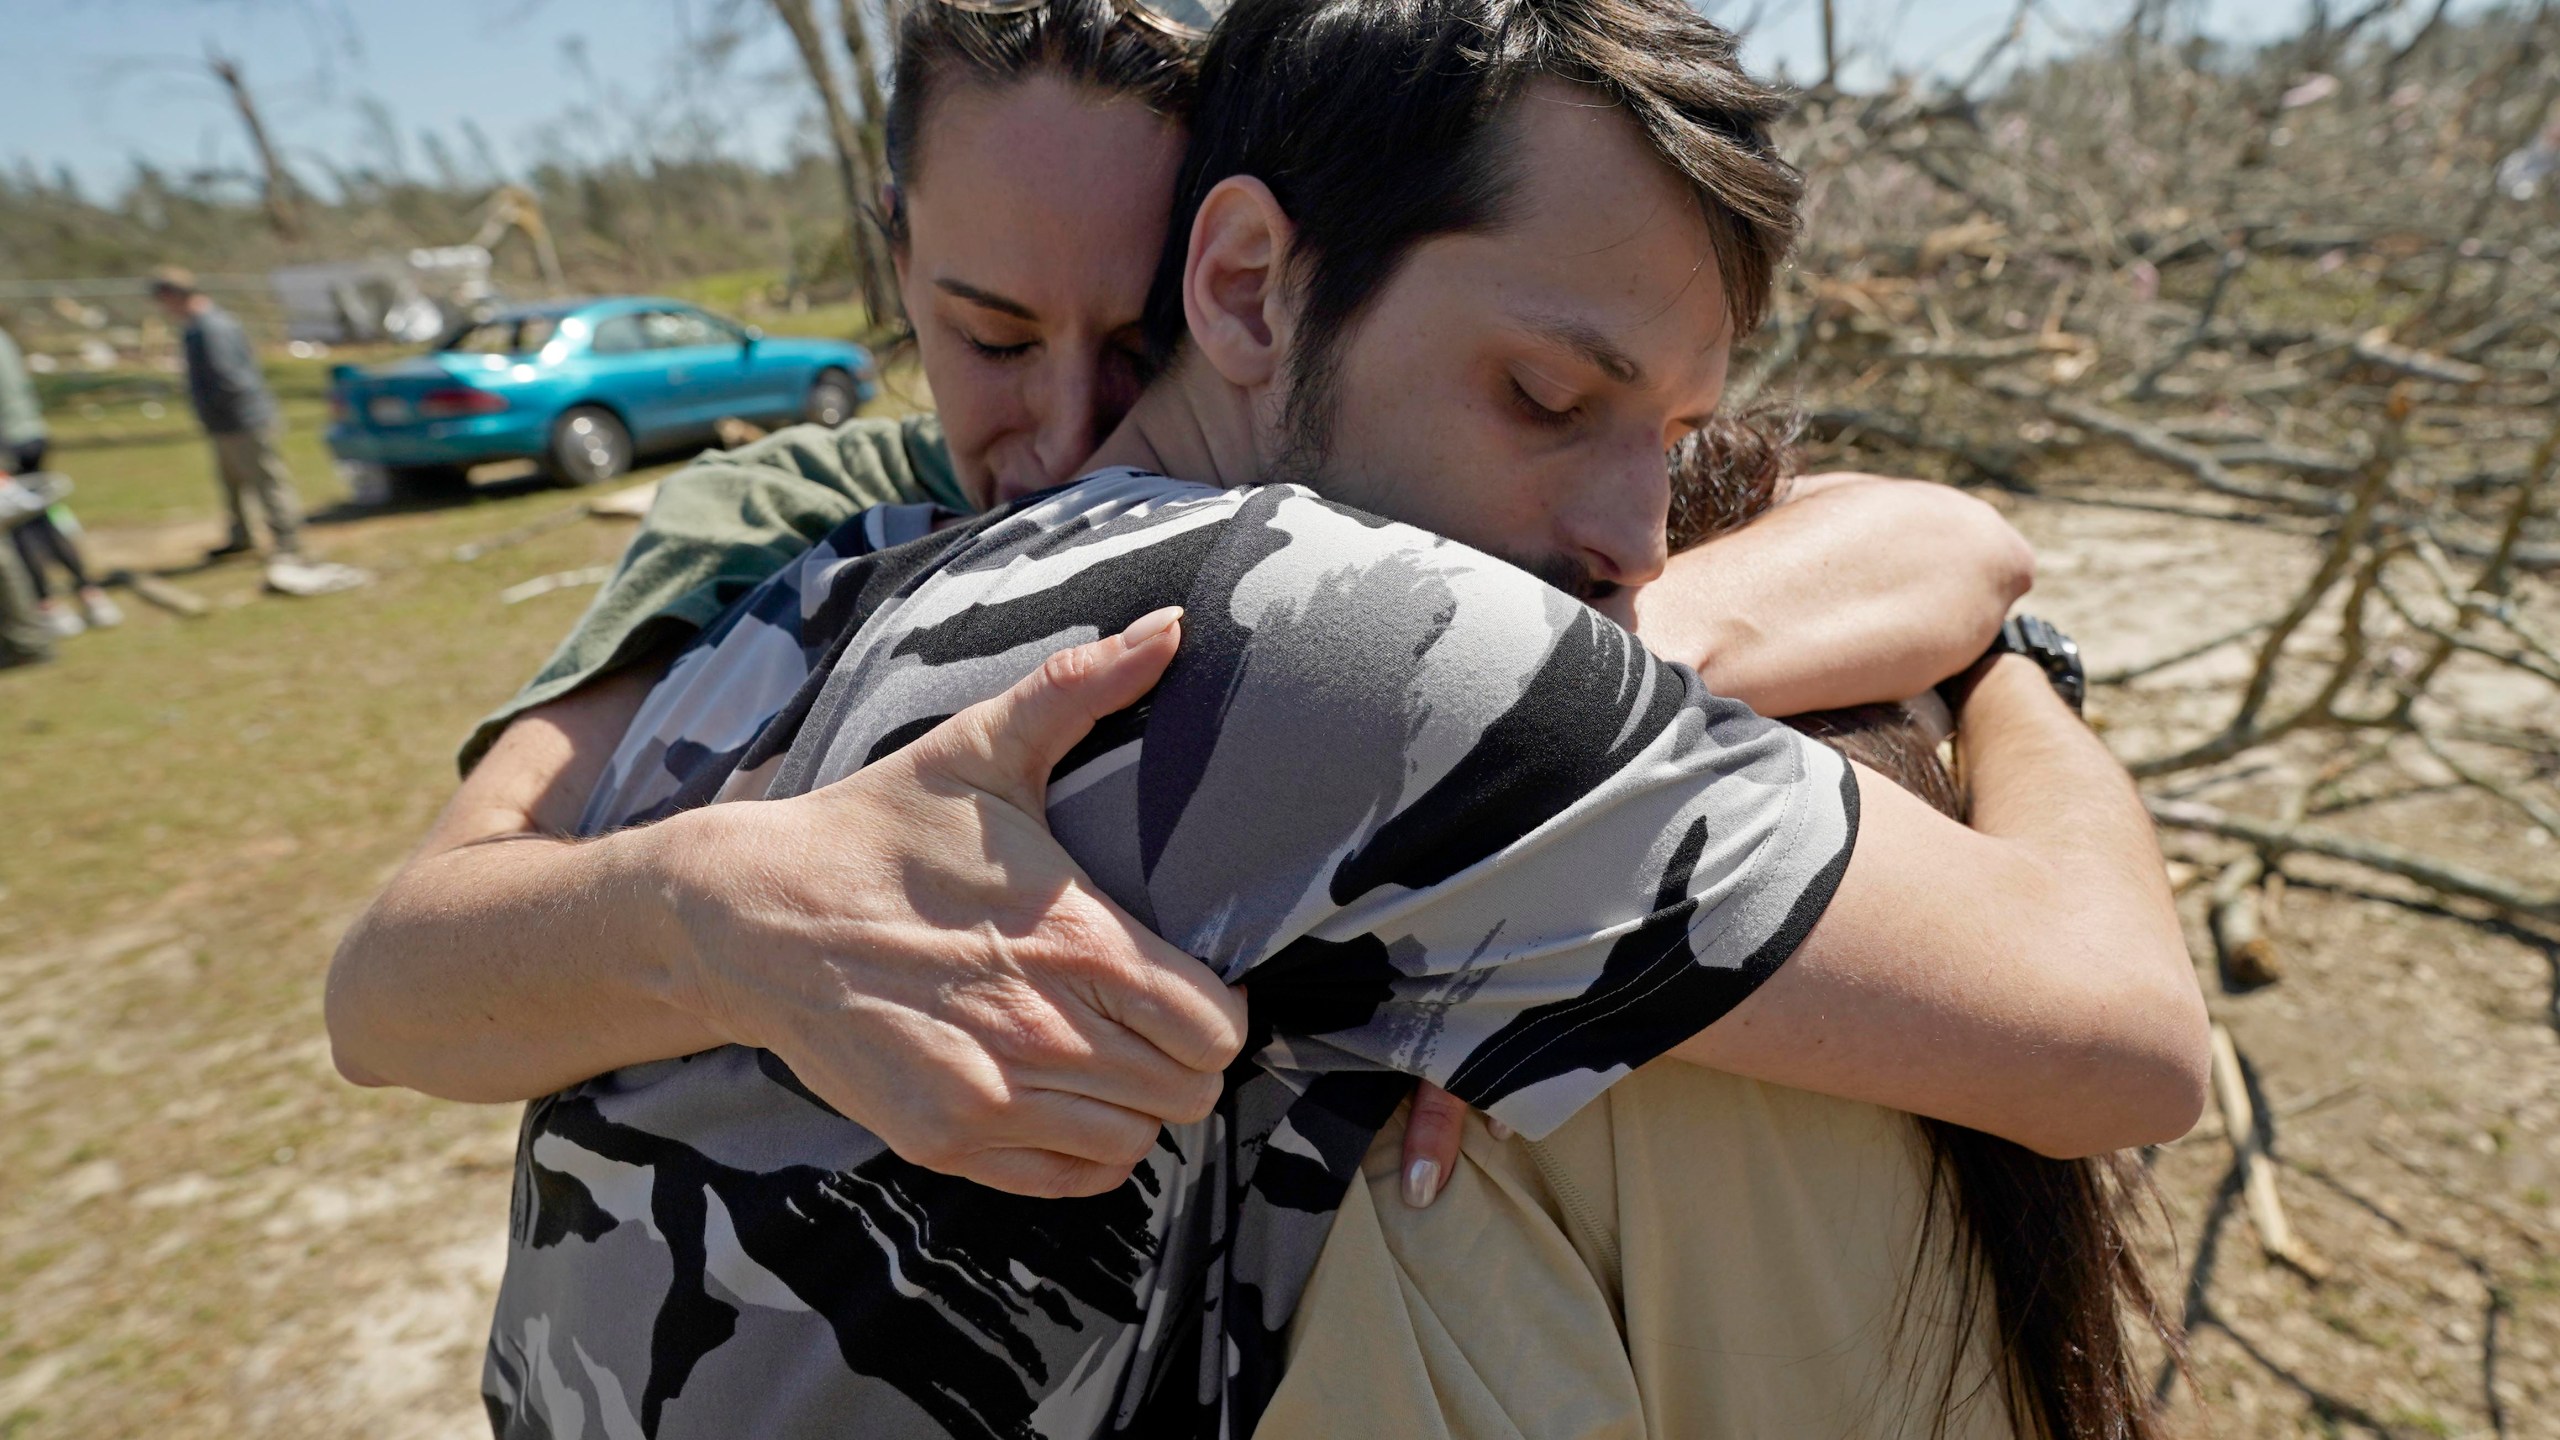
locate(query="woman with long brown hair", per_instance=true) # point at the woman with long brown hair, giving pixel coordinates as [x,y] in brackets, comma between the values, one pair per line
[1706,1255]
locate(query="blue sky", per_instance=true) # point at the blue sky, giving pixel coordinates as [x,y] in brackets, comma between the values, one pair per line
[95,83]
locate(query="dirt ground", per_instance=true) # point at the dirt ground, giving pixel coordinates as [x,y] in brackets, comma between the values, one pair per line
[204,1233]
[2410,1057]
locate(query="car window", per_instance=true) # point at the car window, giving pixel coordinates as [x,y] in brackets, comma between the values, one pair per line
[678,329]
[509,335]
[489,337]
[620,335]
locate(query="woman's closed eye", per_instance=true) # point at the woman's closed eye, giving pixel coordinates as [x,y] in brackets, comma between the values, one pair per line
[997,352]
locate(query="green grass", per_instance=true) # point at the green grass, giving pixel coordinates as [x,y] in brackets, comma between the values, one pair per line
[268,717]
[227,791]
[195,808]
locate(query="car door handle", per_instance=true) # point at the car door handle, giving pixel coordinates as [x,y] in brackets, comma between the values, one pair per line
[678,377]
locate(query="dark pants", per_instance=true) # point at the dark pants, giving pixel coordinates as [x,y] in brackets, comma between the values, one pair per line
[40,541]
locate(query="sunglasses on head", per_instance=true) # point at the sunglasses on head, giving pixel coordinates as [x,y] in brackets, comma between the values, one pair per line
[1185,20]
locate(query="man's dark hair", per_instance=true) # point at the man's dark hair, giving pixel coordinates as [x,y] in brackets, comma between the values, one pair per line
[1376,123]
[1090,42]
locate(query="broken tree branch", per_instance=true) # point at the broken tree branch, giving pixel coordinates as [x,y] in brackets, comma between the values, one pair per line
[2444,875]
[2257,1169]
[2192,652]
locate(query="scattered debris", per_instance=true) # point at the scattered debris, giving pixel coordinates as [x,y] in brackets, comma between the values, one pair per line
[2312,90]
[628,503]
[734,432]
[524,590]
[176,599]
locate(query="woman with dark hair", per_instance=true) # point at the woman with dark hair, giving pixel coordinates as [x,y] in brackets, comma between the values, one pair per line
[1704,1254]
[1032,154]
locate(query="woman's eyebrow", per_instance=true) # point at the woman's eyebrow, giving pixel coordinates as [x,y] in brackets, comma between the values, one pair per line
[986,299]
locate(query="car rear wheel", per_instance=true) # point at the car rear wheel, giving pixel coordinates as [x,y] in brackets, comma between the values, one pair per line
[832,399]
[588,446]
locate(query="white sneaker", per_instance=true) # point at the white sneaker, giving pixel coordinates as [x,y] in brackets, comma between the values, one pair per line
[103,612]
[61,619]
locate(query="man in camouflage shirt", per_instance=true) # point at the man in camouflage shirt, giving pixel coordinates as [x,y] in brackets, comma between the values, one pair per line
[1438,818]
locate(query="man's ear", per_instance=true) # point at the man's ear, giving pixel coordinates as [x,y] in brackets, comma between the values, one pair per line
[1232,281]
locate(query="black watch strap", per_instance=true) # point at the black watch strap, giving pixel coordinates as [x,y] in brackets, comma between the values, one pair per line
[2055,653]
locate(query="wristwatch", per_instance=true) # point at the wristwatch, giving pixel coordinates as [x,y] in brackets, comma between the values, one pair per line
[2055,653]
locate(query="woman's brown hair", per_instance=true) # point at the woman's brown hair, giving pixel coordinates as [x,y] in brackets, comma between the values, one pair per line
[1089,42]
[2048,1243]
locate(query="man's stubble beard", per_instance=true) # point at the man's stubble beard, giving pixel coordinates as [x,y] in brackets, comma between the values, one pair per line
[1306,458]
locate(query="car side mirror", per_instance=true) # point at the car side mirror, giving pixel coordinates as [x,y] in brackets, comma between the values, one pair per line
[753,335]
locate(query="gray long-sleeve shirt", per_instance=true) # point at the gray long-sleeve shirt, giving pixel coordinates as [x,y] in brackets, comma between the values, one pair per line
[223,382]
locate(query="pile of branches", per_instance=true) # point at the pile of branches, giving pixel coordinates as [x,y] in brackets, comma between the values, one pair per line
[2315,289]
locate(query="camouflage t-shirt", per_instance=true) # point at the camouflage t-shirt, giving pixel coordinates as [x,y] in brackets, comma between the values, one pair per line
[1445,820]
[718,528]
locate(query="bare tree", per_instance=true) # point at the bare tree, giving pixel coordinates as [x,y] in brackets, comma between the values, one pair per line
[283,198]
[2058,300]
[853,164]
[874,117]
[1830,45]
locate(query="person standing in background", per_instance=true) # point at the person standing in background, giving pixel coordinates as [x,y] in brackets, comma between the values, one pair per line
[232,403]
[24,640]
[49,537]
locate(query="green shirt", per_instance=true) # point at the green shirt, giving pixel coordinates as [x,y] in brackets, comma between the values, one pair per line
[719,527]
[21,422]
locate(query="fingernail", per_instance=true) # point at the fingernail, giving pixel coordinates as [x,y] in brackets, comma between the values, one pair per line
[1500,1130]
[1150,625]
[1422,1183]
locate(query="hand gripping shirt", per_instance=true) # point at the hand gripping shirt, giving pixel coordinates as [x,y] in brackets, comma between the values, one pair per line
[1446,821]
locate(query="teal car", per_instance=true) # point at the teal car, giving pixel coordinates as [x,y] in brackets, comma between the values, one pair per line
[583,387]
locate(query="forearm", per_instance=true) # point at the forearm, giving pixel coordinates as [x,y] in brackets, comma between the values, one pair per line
[504,961]
[510,966]
[2025,978]
[2104,948]
[2039,777]
[1860,589]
